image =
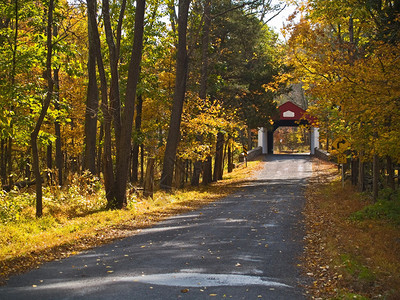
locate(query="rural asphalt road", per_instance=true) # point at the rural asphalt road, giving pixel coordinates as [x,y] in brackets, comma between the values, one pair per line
[245,246]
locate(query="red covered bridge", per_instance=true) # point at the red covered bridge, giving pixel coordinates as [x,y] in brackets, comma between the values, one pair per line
[289,115]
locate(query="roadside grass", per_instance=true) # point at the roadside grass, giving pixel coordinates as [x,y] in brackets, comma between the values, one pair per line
[387,207]
[352,246]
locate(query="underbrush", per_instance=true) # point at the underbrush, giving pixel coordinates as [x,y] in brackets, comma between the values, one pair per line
[387,207]
[75,217]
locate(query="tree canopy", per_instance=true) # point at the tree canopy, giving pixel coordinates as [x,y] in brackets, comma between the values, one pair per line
[346,54]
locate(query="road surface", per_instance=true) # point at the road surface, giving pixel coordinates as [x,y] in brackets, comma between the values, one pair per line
[246,246]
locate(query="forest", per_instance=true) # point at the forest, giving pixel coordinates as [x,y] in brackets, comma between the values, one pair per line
[118,114]
[107,90]
[125,96]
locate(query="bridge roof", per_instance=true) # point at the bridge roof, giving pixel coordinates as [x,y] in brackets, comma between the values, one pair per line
[292,112]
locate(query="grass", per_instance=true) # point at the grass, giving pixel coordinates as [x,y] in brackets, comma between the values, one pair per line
[387,208]
[75,219]
[355,268]
[349,257]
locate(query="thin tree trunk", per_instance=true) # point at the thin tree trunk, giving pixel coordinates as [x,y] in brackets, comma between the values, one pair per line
[46,104]
[124,146]
[115,101]
[107,154]
[92,107]
[204,49]
[203,78]
[230,158]
[141,163]
[138,127]
[57,126]
[361,174]
[375,179]
[100,152]
[13,74]
[179,96]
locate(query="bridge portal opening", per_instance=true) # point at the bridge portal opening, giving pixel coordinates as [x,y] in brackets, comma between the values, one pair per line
[291,140]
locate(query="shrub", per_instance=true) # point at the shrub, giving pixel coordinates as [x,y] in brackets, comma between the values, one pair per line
[386,208]
[10,209]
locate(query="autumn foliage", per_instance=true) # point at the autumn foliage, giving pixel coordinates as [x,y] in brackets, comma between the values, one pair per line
[346,54]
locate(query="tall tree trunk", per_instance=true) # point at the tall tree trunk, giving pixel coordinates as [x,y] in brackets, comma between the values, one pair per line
[136,144]
[204,77]
[207,171]
[375,176]
[141,163]
[46,103]
[57,130]
[204,49]
[100,152]
[196,173]
[115,185]
[230,157]
[92,107]
[49,156]
[124,146]
[179,96]
[361,174]
[179,174]
[13,74]
[354,170]
[57,126]
[115,101]
[219,155]
[107,154]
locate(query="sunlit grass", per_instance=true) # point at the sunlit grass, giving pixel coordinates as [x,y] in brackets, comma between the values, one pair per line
[75,217]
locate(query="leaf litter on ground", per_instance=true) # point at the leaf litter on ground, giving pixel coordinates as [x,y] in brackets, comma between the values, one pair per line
[343,258]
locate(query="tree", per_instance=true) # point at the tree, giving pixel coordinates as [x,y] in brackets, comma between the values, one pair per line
[179,96]
[46,104]
[92,106]
[115,183]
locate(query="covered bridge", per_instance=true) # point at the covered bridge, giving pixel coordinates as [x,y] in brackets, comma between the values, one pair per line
[290,115]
